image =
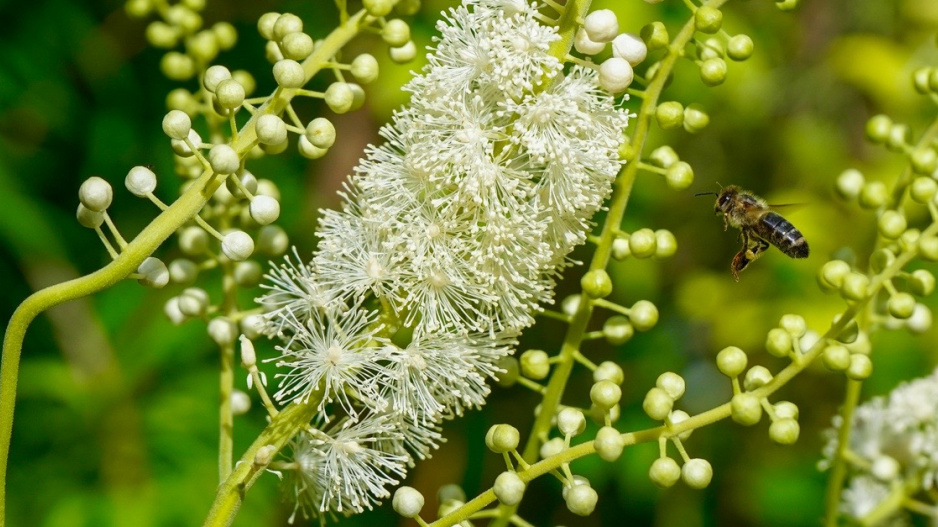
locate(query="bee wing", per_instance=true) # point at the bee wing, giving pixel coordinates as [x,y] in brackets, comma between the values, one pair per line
[787,206]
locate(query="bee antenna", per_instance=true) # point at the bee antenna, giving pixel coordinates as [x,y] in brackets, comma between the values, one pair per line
[706,194]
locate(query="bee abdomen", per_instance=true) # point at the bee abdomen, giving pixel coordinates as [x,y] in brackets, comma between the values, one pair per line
[781,233]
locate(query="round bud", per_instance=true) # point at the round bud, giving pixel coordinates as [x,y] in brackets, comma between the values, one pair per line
[297,46]
[403,54]
[695,119]
[172,312]
[655,36]
[664,472]
[240,402]
[193,241]
[778,342]
[182,149]
[407,502]
[756,377]
[154,273]
[583,44]
[570,305]
[697,473]
[140,181]
[671,383]
[901,305]
[606,394]
[923,189]
[657,404]
[271,130]
[252,326]
[630,47]
[601,25]
[451,492]
[892,224]
[643,315]
[608,443]
[928,247]
[885,468]
[878,128]
[95,194]
[581,500]
[502,438]
[881,259]
[665,244]
[713,71]
[176,124]
[664,156]
[509,488]
[739,47]
[89,218]
[708,19]
[833,273]
[224,159]
[860,367]
[676,417]
[247,273]
[365,68]
[784,431]
[289,74]
[508,373]
[229,94]
[535,364]
[793,324]
[731,361]
[855,286]
[920,321]
[223,331]
[670,115]
[608,371]
[899,137]
[922,282]
[177,67]
[596,283]
[265,25]
[237,246]
[378,8]
[183,271]
[339,97]
[620,248]
[320,132]
[272,52]
[552,447]
[264,209]
[746,409]
[836,357]
[193,302]
[309,150]
[287,23]
[615,75]
[849,184]
[618,330]
[213,76]
[643,243]
[924,161]
[396,32]
[571,421]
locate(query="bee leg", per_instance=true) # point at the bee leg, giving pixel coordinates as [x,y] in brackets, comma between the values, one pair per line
[739,263]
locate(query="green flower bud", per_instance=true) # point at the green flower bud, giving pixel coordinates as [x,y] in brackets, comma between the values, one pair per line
[378,8]
[606,394]
[655,36]
[928,248]
[920,321]
[923,189]
[552,447]
[920,80]
[860,367]
[339,97]
[608,443]
[849,184]
[248,273]
[535,364]
[657,404]
[510,372]
[756,377]
[746,409]
[899,137]
[396,32]
[922,282]
[502,438]
[643,315]
[664,472]
[670,115]
[608,370]
[873,195]
[581,500]
[836,357]
[297,46]
[739,47]
[365,68]
[892,224]
[618,330]
[509,488]
[731,361]
[596,283]
[621,249]
[710,49]
[832,274]
[571,421]
[784,431]
[778,342]
[713,71]
[287,23]
[671,383]
[878,128]
[855,286]
[881,259]
[695,119]
[697,473]
[708,19]
[643,243]
[451,492]
[793,324]
[407,502]
[679,176]
[665,244]
[924,161]
[901,305]
[664,156]
[570,305]
[229,94]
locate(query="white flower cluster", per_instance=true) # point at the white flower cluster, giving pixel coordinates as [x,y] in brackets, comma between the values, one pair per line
[897,439]
[448,241]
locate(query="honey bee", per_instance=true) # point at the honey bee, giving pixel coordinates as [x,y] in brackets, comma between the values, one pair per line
[759,226]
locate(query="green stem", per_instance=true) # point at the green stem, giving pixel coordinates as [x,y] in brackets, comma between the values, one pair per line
[835,481]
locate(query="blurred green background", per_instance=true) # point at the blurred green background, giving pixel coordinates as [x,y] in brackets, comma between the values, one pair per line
[116,420]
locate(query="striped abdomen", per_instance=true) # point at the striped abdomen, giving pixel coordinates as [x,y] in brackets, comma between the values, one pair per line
[781,233]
